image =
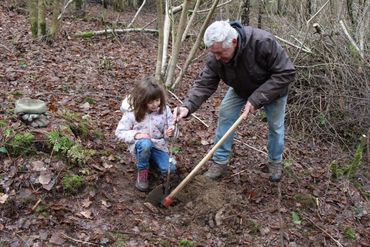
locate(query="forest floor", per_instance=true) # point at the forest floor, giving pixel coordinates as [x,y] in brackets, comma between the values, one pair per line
[89,77]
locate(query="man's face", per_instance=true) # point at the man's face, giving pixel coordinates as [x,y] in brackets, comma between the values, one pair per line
[223,54]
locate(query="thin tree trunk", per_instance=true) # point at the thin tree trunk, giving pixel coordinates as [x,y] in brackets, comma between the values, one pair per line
[176,47]
[41,30]
[159,5]
[54,20]
[350,11]
[245,12]
[196,45]
[166,37]
[279,7]
[260,13]
[191,20]
[33,9]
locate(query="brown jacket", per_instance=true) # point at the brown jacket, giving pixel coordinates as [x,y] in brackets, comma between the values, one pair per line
[260,71]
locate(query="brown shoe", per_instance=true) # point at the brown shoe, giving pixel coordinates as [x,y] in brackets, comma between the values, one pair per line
[216,171]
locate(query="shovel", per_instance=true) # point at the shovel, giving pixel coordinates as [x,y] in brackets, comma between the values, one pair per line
[157,195]
[168,200]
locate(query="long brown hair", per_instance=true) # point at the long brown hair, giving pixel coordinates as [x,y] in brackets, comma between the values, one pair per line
[145,91]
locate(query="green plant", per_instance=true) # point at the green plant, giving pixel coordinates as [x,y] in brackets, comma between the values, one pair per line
[72,184]
[59,142]
[90,100]
[42,210]
[296,218]
[253,226]
[79,155]
[185,243]
[350,233]
[20,144]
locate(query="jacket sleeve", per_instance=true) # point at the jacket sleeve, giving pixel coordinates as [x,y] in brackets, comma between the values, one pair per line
[204,86]
[276,61]
[124,131]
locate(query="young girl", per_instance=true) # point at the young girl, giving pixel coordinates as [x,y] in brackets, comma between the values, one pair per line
[146,126]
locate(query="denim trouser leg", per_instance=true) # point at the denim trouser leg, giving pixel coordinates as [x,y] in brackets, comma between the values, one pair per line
[230,110]
[146,153]
[275,113]
[143,152]
[161,160]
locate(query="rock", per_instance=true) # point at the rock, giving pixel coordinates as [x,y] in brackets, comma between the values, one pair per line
[26,105]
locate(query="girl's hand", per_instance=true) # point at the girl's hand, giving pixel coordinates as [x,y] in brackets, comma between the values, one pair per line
[139,136]
[169,132]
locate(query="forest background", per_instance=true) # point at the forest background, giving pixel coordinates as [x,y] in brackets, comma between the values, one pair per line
[71,183]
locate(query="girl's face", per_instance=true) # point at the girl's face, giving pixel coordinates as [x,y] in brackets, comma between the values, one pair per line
[153,105]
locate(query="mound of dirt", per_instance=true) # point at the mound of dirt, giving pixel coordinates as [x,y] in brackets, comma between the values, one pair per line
[204,196]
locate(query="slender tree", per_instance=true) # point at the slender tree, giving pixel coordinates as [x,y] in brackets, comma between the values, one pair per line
[245,12]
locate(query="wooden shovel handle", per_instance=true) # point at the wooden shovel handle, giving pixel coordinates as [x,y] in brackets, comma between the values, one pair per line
[204,160]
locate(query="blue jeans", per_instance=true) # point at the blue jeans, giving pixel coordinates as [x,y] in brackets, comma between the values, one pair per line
[230,110]
[146,154]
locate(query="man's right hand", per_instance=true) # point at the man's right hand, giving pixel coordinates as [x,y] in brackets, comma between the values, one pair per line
[180,113]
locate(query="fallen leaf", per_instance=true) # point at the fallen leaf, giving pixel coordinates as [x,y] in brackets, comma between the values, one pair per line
[45,178]
[86,203]
[87,214]
[3,198]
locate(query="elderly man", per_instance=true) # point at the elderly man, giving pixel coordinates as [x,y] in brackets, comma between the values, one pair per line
[258,72]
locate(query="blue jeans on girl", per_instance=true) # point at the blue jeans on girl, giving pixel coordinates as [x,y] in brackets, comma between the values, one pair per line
[230,110]
[146,154]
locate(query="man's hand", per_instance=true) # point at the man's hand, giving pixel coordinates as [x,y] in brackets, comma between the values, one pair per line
[180,113]
[248,108]
[139,136]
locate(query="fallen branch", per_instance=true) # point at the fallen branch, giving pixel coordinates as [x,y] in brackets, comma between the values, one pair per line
[137,13]
[323,230]
[218,6]
[64,9]
[305,49]
[115,31]
[77,240]
[251,147]
[6,48]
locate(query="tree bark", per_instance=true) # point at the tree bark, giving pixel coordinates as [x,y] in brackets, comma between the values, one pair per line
[260,13]
[41,28]
[33,12]
[176,46]
[54,20]
[245,12]
[196,45]
[159,5]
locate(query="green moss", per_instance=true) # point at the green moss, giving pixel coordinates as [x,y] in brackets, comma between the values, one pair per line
[72,184]
[186,243]
[307,201]
[21,144]
[253,226]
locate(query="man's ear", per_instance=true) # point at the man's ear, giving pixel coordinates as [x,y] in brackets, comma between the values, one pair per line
[235,41]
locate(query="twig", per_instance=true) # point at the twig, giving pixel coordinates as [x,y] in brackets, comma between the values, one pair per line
[137,12]
[64,9]
[193,115]
[281,220]
[36,204]
[251,147]
[6,48]
[207,10]
[308,28]
[305,49]
[77,240]
[323,230]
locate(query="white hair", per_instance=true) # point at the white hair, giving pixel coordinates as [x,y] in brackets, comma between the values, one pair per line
[220,31]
